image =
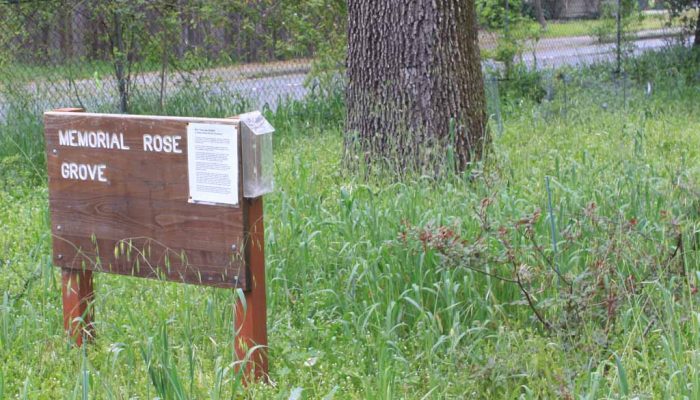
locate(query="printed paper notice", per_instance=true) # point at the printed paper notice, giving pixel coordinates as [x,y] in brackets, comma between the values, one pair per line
[212,163]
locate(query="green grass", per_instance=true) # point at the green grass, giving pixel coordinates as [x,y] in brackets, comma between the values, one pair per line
[355,311]
[591,27]
[556,29]
[80,69]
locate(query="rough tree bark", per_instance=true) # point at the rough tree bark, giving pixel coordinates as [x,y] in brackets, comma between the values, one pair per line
[415,91]
[119,55]
[696,44]
[539,12]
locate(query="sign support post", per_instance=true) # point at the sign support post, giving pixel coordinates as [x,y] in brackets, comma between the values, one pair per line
[251,318]
[78,295]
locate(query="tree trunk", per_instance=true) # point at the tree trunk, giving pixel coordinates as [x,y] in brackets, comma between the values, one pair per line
[415,91]
[65,30]
[119,57]
[537,4]
[696,44]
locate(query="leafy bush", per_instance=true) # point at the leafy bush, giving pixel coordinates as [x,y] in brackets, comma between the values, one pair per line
[687,12]
[671,64]
[492,14]
[15,175]
[606,31]
[523,83]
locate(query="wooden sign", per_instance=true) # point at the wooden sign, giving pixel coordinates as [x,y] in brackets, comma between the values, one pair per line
[156,197]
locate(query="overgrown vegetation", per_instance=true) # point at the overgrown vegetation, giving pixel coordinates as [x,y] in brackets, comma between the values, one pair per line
[563,266]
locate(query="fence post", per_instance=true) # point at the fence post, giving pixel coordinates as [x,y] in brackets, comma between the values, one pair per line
[619,36]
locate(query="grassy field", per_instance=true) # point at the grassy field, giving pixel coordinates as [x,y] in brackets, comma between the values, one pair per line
[563,266]
[556,29]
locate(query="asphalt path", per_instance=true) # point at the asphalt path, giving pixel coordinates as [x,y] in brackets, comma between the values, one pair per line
[265,85]
[588,53]
[578,52]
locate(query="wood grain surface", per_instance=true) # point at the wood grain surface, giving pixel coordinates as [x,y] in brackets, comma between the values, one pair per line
[139,222]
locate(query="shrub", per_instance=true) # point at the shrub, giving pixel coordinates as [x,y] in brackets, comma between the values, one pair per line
[493,15]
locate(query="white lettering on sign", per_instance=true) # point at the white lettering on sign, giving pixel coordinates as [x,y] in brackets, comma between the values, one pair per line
[162,144]
[83,172]
[92,139]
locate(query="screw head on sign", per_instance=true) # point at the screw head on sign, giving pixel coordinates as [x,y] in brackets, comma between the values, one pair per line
[60,256]
[234,247]
[59,227]
[54,151]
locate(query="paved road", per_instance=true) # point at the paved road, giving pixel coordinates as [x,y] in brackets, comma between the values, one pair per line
[286,80]
[557,53]
[589,53]
[268,91]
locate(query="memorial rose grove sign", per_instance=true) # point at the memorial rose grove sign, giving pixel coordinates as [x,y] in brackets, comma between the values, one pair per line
[160,197]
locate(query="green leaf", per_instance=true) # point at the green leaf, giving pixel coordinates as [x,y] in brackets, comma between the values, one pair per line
[622,375]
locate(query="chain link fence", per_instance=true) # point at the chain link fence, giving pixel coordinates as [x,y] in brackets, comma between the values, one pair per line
[112,56]
[130,56]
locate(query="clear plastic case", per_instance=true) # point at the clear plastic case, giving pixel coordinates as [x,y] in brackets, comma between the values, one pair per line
[256,141]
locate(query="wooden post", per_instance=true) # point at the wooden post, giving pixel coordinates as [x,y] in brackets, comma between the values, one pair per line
[78,295]
[251,318]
